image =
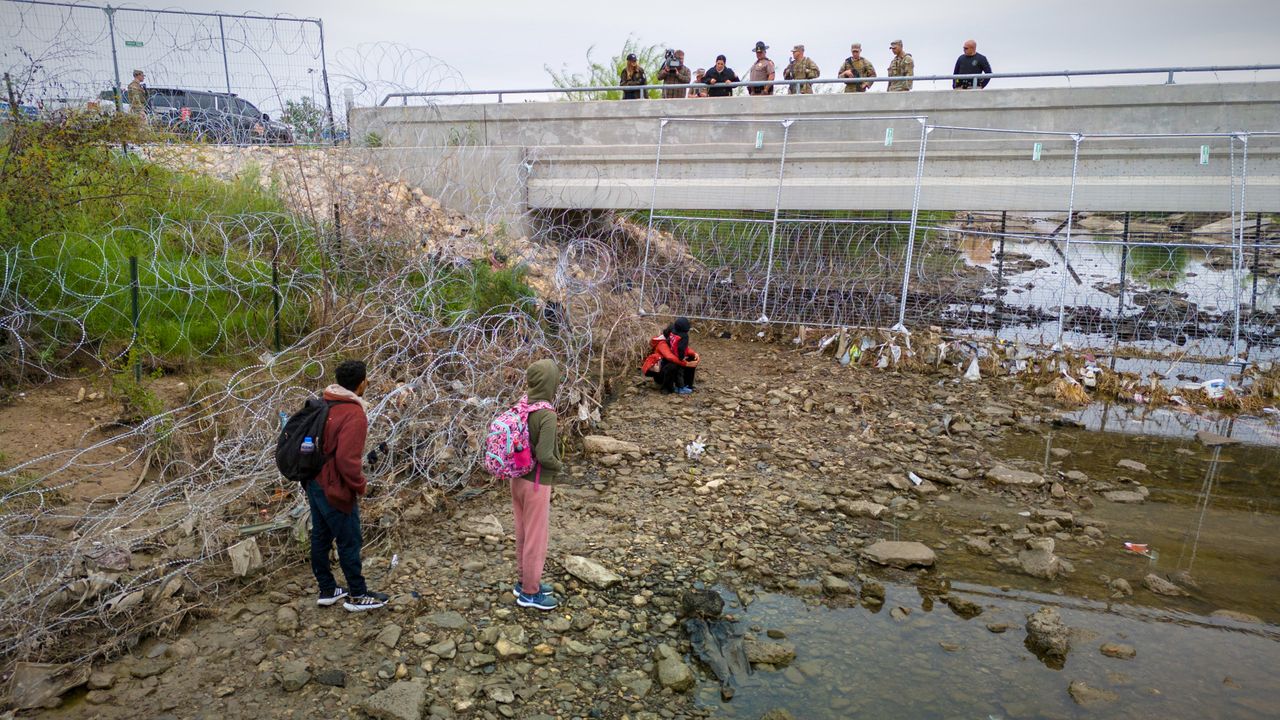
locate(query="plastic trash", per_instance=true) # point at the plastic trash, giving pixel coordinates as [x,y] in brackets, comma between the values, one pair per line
[915,479]
[1215,388]
[1138,549]
[972,374]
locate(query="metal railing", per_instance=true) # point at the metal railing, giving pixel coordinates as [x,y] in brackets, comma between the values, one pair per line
[1169,72]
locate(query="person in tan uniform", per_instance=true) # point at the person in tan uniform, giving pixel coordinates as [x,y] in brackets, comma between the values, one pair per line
[856,66]
[801,68]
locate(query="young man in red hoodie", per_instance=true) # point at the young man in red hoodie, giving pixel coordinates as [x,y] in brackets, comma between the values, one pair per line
[334,493]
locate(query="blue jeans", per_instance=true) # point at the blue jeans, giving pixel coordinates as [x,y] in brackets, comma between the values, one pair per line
[328,524]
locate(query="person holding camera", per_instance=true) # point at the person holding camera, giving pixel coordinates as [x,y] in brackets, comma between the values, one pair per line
[674,72]
[717,76]
[632,74]
[762,69]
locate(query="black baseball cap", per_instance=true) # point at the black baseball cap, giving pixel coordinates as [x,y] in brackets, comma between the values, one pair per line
[631,56]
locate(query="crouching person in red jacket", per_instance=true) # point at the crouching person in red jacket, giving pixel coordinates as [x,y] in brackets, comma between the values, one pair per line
[672,362]
[334,493]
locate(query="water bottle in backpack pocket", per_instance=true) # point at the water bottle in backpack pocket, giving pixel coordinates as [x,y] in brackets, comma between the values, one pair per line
[507,453]
[299,448]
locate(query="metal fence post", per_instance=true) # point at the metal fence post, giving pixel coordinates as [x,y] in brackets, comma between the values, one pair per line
[13,100]
[773,229]
[226,67]
[115,60]
[135,315]
[1237,245]
[324,77]
[1066,251]
[275,299]
[1004,224]
[653,202]
[1124,276]
[915,215]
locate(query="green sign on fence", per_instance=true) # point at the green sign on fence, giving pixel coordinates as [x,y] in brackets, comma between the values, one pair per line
[133,43]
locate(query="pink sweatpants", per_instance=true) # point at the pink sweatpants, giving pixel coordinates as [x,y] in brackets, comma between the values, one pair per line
[531,506]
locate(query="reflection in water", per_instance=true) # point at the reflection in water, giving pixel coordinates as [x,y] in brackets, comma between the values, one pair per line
[915,658]
[977,249]
[1158,266]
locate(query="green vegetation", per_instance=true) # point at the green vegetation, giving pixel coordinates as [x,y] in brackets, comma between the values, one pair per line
[306,118]
[75,208]
[600,74]
[473,291]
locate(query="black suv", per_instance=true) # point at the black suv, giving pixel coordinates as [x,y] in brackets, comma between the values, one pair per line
[214,117]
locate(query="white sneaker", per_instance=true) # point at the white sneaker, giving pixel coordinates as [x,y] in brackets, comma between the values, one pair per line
[332,598]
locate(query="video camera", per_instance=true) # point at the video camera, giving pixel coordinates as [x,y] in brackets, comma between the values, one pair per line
[671,60]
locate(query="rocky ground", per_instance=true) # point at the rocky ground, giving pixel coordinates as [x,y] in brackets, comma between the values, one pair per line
[811,471]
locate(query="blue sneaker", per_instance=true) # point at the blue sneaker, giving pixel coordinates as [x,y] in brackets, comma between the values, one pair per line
[541,601]
[543,588]
[684,391]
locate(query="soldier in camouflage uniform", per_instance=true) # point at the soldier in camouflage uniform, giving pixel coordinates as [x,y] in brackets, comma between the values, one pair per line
[901,66]
[856,66]
[801,68]
[137,93]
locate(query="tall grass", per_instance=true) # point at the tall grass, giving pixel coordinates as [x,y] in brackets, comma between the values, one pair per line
[75,208]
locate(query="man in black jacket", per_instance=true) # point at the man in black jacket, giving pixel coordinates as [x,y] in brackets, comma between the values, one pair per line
[971,62]
[717,76]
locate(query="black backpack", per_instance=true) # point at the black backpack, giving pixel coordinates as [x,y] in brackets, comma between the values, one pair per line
[294,459]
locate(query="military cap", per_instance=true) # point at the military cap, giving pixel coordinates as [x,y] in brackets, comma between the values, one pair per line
[896,42]
[798,47]
[759,46]
[856,46]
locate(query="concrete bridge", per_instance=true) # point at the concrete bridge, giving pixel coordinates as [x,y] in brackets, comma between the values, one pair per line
[1170,148]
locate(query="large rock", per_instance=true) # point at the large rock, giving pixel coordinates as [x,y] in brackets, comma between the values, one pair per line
[672,671]
[1086,695]
[1047,636]
[35,685]
[590,572]
[1160,586]
[1124,496]
[1209,439]
[705,604]
[294,675]
[1236,616]
[605,445]
[1009,476]
[861,508]
[899,554]
[1038,560]
[1132,465]
[768,652]
[401,701]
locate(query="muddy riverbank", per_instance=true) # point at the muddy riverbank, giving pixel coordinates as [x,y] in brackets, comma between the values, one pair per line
[808,466]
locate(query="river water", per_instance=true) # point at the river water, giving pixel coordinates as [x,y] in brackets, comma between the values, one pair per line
[853,662]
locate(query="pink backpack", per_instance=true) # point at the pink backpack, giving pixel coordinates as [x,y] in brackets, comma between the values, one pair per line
[507,453]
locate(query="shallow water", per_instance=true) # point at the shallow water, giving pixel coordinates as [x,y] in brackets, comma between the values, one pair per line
[852,662]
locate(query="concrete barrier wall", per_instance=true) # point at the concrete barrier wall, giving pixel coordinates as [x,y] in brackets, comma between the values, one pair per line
[509,157]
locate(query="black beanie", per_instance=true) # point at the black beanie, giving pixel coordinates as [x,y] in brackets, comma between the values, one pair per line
[681,325]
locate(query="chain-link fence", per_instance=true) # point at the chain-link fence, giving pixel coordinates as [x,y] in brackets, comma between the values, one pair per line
[73,56]
[1042,242]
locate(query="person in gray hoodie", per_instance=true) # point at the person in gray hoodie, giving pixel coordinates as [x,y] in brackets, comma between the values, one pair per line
[531,494]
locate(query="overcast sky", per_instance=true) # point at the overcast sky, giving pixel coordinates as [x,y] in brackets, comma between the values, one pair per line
[503,43]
